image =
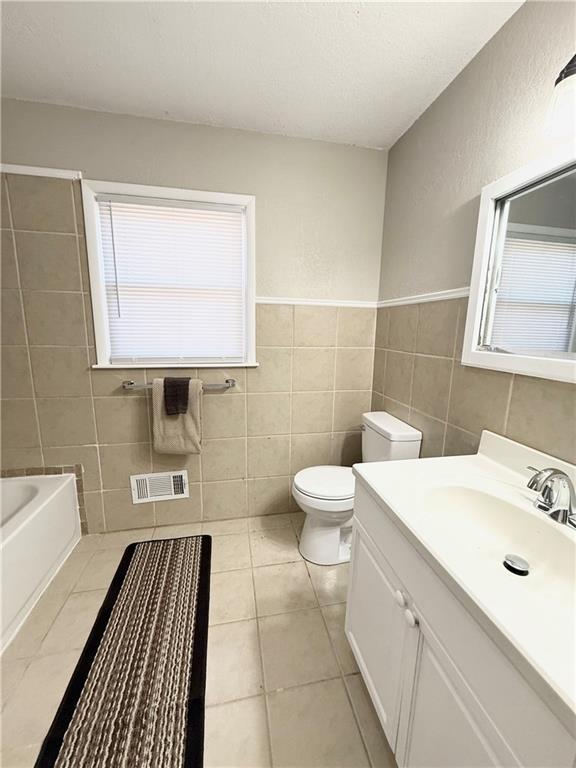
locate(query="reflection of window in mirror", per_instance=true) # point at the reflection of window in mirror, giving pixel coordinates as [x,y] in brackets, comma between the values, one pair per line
[530,305]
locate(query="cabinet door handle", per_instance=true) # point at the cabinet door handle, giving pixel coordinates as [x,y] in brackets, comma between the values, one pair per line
[411,620]
[400,598]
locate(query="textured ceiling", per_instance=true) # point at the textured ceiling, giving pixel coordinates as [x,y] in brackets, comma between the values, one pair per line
[357,73]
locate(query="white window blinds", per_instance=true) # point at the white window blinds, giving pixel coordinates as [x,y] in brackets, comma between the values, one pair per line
[533,308]
[175,280]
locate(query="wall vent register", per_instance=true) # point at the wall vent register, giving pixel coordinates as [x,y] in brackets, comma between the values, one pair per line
[159,486]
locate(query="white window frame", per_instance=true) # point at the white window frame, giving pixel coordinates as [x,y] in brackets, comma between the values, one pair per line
[558,369]
[90,190]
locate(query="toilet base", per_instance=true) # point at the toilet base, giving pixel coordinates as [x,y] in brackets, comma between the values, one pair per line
[325,544]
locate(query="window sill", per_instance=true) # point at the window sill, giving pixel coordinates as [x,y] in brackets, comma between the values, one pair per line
[167,366]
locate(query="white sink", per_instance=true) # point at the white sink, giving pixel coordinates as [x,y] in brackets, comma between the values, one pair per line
[465,514]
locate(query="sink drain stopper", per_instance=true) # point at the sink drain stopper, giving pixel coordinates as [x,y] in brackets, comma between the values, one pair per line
[517,565]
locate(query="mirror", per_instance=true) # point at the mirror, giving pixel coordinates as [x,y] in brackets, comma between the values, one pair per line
[522,310]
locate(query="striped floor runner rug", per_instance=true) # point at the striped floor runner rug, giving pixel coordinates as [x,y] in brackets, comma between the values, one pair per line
[136,697]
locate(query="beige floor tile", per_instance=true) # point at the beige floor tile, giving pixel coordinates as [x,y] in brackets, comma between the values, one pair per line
[73,623]
[231,596]
[269,522]
[297,519]
[28,714]
[273,547]
[234,670]
[225,527]
[379,752]
[12,671]
[122,538]
[237,735]
[29,639]
[330,582]
[230,552]
[282,588]
[334,616]
[69,573]
[177,531]
[20,757]
[100,570]
[296,649]
[313,726]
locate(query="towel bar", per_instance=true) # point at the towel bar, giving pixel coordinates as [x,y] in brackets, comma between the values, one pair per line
[228,384]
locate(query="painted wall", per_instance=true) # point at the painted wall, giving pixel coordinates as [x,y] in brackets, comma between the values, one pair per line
[319,206]
[488,122]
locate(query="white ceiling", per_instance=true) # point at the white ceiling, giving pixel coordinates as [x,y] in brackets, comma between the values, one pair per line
[357,73]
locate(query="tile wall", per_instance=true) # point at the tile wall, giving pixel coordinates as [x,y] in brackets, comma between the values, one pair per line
[301,407]
[418,378]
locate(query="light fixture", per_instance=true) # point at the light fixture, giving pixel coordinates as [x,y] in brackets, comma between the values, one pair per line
[562,115]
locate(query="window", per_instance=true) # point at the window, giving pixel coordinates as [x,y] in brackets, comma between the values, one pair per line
[172,275]
[522,308]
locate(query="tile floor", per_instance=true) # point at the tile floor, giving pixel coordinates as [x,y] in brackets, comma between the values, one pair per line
[283,688]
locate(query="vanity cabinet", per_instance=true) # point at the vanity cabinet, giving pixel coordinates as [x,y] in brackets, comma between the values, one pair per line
[445,694]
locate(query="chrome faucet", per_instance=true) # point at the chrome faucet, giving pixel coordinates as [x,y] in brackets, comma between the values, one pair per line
[556,495]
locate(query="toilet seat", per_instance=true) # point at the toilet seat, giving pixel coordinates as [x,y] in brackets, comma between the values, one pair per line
[326,483]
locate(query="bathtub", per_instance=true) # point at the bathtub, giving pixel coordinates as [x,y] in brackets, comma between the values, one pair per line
[40,527]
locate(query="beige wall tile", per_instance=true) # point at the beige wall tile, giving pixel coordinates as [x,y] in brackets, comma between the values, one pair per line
[19,427]
[432,433]
[122,419]
[40,203]
[108,383]
[66,421]
[16,378]
[5,214]
[12,318]
[346,448]
[274,325]
[171,462]
[180,511]
[431,385]
[223,415]
[356,327]
[223,459]
[315,326]
[48,262]
[118,462]
[268,495]
[94,508]
[313,369]
[268,414]
[121,513]
[459,442]
[221,501]
[379,370]
[87,455]
[394,408]
[268,456]
[309,451]
[479,399]
[437,327]
[89,319]
[377,401]
[219,376]
[348,410]
[354,368]
[403,327]
[543,416]
[274,370]
[78,207]
[312,412]
[8,261]
[461,327]
[55,318]
[19,458]
[382,327]
[398,381]
[60,371]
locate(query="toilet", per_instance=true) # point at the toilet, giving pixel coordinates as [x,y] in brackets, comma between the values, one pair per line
[326,493]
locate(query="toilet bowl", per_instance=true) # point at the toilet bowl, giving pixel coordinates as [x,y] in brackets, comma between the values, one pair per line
[326,493]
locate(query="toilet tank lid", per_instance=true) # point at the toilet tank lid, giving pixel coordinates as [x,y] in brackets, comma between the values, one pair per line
[391,427]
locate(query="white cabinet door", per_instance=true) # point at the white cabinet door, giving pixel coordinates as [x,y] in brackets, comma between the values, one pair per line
[377,630]
[446,726]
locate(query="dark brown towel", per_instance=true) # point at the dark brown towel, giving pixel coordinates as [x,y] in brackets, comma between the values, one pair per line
[176,395]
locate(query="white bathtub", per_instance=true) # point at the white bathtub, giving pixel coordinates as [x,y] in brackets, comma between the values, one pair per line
[40,527]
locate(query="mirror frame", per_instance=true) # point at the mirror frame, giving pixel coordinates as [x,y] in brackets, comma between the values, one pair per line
[557,369]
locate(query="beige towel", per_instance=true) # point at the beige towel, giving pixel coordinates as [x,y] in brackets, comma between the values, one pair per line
[181,433]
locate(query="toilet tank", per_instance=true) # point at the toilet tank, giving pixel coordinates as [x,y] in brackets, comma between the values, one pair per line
[386,438]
